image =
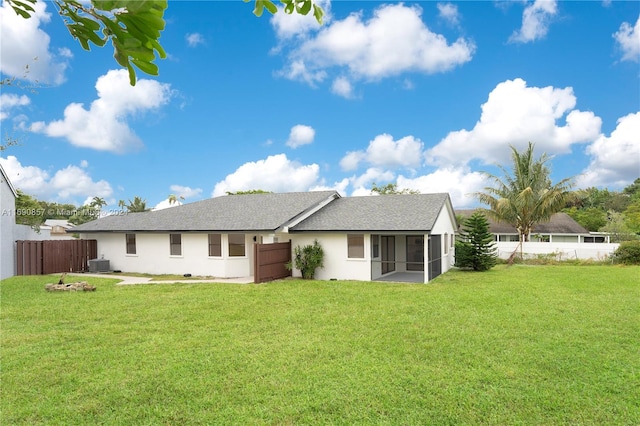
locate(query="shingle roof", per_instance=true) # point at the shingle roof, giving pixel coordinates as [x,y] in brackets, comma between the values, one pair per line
[560,223]
[250,212]
[377,213]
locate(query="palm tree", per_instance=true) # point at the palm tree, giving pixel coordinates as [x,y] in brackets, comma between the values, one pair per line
[136,206]
[526,196]
[98,203]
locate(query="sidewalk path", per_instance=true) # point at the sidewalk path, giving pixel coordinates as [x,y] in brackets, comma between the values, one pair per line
[128,280]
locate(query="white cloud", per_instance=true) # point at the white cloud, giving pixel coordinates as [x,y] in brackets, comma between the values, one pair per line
[383,151]
[515,114]
[185,191]
[628,39]
[296,25]
[373,174]
[276,173]
[73,181]
[351,161]
[460,183]
[449,13]
[84,164]
[165,204]
[9,101]
[104,125]
[68,184]
[535,21]
[298,70]
[23,43]
[340,187]
[65,52]
[194,39]
[300,135]
[394,41]
[342,87]
[615,159]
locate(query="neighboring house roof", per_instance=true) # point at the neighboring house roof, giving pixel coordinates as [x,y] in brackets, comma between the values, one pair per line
[58,222]
[377,213]
[235,213]
[5,177]
[560,223]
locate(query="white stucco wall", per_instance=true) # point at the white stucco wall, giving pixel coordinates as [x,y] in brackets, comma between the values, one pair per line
[445,226]
[7,225]
[153,255]
[336,263]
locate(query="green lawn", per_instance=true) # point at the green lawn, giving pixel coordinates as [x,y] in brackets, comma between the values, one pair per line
[520,345]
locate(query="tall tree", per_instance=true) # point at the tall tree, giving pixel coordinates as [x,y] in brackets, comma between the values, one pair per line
[28,211]
[134,26]
[476,247]
[526,195]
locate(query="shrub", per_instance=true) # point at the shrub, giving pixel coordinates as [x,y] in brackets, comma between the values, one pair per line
[628,253]
[307,259]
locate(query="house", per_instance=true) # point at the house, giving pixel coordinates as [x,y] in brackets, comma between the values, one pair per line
[364,238]
[375,237]
[56,229]
[560,235]
[8,196]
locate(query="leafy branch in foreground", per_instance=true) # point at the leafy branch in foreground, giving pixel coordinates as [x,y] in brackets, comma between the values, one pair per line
[302,7]
[134,26]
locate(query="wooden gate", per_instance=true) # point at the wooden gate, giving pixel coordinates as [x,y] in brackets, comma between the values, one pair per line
[270,261]
[50,256]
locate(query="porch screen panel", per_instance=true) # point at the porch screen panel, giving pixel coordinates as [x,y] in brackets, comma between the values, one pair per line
[434,249]
[415,253]
[388,252]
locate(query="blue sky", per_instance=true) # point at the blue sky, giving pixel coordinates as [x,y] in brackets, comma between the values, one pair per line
[423,94]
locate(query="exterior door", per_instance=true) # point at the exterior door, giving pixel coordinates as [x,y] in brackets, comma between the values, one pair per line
[388,253]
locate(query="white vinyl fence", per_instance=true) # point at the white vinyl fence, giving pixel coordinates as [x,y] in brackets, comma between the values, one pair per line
[561,251]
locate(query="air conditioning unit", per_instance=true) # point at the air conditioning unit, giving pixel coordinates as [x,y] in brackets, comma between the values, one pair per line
[98,265]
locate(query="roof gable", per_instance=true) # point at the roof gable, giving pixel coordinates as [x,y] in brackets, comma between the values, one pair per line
[230,213]
[406,212]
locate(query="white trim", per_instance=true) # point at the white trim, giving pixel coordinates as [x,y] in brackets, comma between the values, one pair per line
[304,215]
[6,178]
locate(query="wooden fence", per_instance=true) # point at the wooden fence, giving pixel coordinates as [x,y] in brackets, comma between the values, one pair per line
[50,257]
[270,261]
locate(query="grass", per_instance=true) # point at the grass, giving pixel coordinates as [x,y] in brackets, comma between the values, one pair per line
[519,345]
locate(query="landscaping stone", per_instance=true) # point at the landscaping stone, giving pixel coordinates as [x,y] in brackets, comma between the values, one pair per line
[79,286]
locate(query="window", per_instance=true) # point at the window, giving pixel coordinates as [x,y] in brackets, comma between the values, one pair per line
[215,245]
[131,243]
[175,244]
[375,246]
[355,246]
[594,240]
[236,245]
[446,243]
